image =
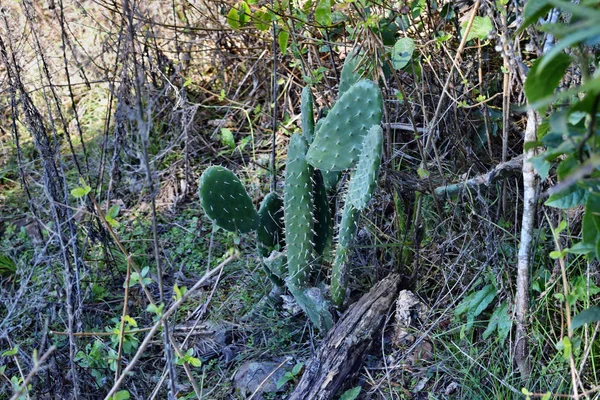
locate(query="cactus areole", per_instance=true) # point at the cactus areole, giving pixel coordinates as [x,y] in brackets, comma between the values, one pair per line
[225,201]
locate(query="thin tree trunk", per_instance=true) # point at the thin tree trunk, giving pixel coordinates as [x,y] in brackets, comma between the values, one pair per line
[529,206]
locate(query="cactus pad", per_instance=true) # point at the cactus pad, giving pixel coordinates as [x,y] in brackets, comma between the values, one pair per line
[225,200]
[270,226]
[298,203]
[339,273]
[349,75]
[307,114]
[363,181]
[337,143]
[313,303]
[322,213]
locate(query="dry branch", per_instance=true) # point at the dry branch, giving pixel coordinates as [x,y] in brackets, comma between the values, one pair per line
[499,172]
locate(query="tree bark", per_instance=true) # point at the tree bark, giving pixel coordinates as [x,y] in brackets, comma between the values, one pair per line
[529,205]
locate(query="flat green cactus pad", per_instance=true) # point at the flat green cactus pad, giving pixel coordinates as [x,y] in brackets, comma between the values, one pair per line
[270,227]
[298,203]
[364,179]
[339,271]
[225,201]
[314,304]
[349,75]
[307,114]
[338,140]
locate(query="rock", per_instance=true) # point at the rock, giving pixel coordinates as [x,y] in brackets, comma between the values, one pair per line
[253,375]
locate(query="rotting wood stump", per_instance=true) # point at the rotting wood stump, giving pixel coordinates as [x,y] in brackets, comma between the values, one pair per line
[341,353]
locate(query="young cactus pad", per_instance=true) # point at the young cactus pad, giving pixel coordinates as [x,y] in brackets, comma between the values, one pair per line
[270,226]
[363,181]
[307,114]
[298,204]
[349,75]
[337,143]
[225,201]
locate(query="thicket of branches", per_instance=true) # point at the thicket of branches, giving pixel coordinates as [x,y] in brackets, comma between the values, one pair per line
[115,108]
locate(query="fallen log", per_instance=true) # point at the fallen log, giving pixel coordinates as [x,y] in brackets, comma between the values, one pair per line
[340,355]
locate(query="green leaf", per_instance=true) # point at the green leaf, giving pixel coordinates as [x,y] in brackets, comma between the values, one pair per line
[534,10]
[480,29]
[195,362]
[541,165]
[79,192]
[480,302]
[574,38]
[282,39]
[568,198]
[121,395]
[500,321]
[297,368]
[402,52]
[227,138]
[113,211]
[11,352]
[542,82]
[351,394]
[285,378]
[262,19]
[323,12]
[588,316]
[153,308]
[244,13]
[233,18]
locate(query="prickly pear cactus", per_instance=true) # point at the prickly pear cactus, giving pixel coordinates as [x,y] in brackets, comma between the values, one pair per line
[364,179]
[298,206]
[270,227]
[225,201]
[314,304]
[339,272]
[307,114]
[338,140]
[322,214]
[349,75]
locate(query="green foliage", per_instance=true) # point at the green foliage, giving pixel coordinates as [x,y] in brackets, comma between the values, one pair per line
[290,376]
[542,82]
[188,358]
[402,52]
[7,266]
[474,304]
[225,200]
[480,29]
[351,394]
